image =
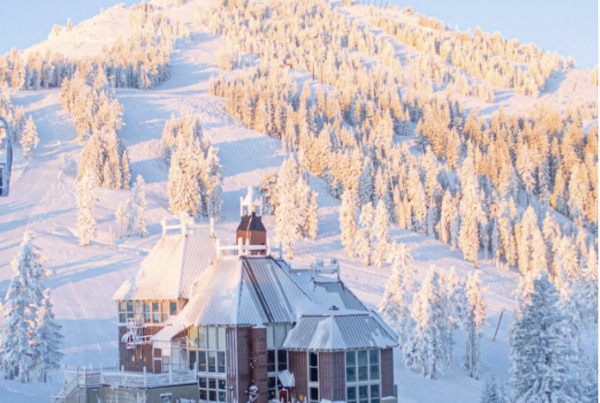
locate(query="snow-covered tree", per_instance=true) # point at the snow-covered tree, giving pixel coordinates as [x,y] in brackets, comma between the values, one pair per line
[348,212]
[29,139]
[426,347]
[365,235]
[288,214]
[472,213]
[120,217]
[382,233]
[399,291]
[311,216]
[139,201]
[86,201]
[20,313]
[491,393]
[590,276]
[214,202]
[541,349]
[129,217]
[473,317]
[46,355]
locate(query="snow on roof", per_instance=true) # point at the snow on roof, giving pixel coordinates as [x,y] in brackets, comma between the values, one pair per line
[170,267]
[168,332]
[336,293]
[339,332]
[247,290]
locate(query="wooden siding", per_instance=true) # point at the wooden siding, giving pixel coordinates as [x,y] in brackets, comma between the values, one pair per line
[332,380]
[260,375]
[387,372]
[299,367]
[239,371]
[255,237]
[136,359]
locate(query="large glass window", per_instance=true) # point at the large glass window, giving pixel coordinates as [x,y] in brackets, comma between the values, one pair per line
[277,358]
[212,389]
[313,367]
[363,376]
[207,347]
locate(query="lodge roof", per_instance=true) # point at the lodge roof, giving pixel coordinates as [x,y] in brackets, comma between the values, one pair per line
[170,267]
[340,331]
[244,290]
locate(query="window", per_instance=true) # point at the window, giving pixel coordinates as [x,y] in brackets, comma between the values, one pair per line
[126,311]
[207,347]
[313,394]
[277,358]
[212,389]
[363,376]
[274,386]
[148,311]
[313,367]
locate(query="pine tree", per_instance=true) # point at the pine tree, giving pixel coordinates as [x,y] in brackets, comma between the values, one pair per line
[214,202]
[69,25]
[590,275]
[86,200]
[29,140]
[120,218]
[288,214]
[490,393]
[19,314]
[365,240]
[139,201]
[399,292]
[311,216]
[129,217]
[543,358]
[426,348]
[348,223]
[381,231]
[472,318]
[46,342]
[366,184]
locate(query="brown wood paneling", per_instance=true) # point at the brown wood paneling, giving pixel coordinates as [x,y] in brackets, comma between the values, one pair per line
[136,359]
[299,367]
[259,362]
[387,372]
[239,371]
[332,381]
[255,237]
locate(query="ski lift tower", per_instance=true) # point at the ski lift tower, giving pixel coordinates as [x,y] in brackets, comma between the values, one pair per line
[5,158]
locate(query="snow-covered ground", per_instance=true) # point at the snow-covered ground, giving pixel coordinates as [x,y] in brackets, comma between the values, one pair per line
[84,278]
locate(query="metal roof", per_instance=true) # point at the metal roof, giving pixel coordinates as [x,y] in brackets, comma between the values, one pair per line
[339,332]
[251,223]
[247,290]
[170,268]
[346,298]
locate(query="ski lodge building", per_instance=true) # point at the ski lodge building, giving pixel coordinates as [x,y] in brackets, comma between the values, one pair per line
[212,323]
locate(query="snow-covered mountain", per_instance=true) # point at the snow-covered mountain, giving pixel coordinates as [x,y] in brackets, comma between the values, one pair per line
[43,191]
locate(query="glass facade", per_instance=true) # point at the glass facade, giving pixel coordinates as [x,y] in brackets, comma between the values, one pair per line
[363,376]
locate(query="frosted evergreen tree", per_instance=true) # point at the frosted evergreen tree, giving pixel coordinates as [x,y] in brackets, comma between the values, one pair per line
[19,314]
[382,232]
[472,213]
[86,201]
[183,187]
[365,240]
[543,358]
[366,184]
[348,223]
[426,348]
[472,318]
[139,201]
[311,216]
[120,217]
[29,139]
[214,202]
[46,342]
[590,276]
[288,215]
[491,392]
[129,217]
[399,291]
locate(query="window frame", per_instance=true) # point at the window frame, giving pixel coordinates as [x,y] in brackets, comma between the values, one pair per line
[372,383]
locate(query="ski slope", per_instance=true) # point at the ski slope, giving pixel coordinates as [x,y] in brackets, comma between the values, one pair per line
[42,200]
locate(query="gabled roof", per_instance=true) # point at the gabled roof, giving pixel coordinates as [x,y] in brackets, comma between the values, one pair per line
[170,268]
[330,293]
[251,222]
[339,332]
[244,291]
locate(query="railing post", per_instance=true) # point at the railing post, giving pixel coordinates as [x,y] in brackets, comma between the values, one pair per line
[122,368]
[145,378]
[171,371]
